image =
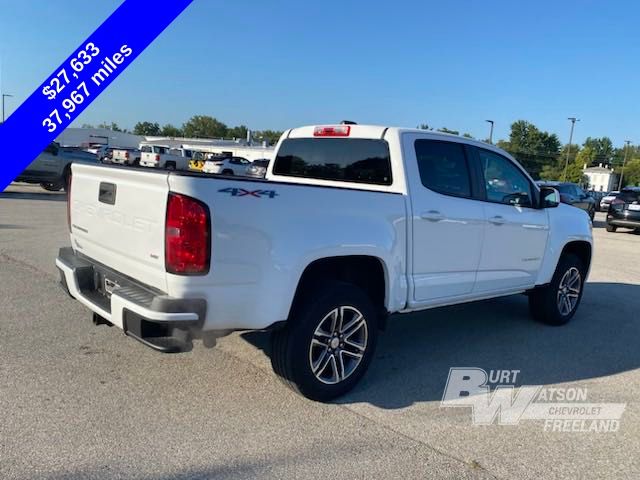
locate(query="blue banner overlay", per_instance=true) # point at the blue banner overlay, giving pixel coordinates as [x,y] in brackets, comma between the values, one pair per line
[80,79]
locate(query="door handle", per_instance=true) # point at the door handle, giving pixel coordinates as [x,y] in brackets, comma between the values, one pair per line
[432,216]
[497,220]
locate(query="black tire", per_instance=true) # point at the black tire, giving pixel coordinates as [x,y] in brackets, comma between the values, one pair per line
[292,352]
[170,166]
[544,301]
[227,172]
[611,228]
[51,187]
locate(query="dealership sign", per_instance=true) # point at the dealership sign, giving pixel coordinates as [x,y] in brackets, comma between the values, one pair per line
[561,409]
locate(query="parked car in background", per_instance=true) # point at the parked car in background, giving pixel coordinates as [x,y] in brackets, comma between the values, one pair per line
[165,157]
[100,151]
[431,220]
[624,210]
[597,197]
[573,195]
[607,199]
[258,168]
[197,161]
[227,166]
[126,156]
[52,168]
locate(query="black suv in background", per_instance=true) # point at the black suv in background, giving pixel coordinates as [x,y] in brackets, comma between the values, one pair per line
[572,194]
[624,210]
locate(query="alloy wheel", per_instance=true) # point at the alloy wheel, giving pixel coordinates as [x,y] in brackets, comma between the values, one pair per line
[569,291]
[338,345]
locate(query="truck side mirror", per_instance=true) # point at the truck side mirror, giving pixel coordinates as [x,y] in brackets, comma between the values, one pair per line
[549,197]
[52,148]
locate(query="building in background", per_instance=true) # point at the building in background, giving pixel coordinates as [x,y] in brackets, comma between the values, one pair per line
[90,137]
[601,178]
[87,137]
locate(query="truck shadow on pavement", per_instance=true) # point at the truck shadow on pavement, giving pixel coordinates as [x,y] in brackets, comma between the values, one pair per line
[50,196]
[417,350]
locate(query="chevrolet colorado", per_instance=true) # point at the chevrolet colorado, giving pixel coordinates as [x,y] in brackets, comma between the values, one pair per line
[352,223]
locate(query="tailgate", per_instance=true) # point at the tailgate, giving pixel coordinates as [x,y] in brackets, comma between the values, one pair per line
[118,218]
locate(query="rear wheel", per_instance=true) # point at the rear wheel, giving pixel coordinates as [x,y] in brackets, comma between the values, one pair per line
[327,343]
[227,171]
[51,187]
[611,228]
[557,302]
[170,166]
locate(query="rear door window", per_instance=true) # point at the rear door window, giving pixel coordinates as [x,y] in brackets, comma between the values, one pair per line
[356,160]
[443,167]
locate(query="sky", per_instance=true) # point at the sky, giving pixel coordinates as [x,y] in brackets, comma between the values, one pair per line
[281,64]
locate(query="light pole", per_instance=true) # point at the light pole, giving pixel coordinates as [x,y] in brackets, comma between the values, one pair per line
[573,121]
[624,161]
[4,95]
[490,131]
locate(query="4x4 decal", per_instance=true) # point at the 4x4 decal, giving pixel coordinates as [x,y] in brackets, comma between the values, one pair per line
[241,192]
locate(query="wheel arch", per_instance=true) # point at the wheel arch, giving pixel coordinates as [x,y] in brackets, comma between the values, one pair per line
[365,271]
[580,248]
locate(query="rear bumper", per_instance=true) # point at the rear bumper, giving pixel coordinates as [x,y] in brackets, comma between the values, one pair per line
[623,222]
[161,322]
[150,163]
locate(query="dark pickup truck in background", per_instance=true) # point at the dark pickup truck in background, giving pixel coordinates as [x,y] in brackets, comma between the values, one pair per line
[51,169]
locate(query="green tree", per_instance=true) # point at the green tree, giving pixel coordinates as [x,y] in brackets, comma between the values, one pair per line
[238,132]
[87,125]
[424,126]
[151,129]
[171,131]
[271,136]
[533,148]
[110,126]
[446,130]
[601,150]
[631,173]
[204,126]
[467,135]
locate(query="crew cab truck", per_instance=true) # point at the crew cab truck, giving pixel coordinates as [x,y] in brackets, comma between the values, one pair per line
[165,157]
[352,223]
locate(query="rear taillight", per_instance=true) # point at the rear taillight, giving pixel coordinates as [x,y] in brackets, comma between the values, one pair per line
[337,131]
[126,155]
[187,236]
[157,157]
[69,200]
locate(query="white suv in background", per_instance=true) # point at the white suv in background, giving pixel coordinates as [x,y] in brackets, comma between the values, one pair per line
[227,166]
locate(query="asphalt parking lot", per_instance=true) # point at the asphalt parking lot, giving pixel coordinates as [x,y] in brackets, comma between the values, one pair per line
[79,401]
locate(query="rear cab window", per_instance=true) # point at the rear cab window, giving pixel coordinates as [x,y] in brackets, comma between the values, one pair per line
[356,160]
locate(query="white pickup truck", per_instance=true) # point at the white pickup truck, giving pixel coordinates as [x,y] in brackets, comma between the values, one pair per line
[126,156]
[165,157]
[351,224]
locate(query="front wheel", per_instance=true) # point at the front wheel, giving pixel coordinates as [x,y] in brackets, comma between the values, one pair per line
[557,302]
[328,342]
[611,228]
